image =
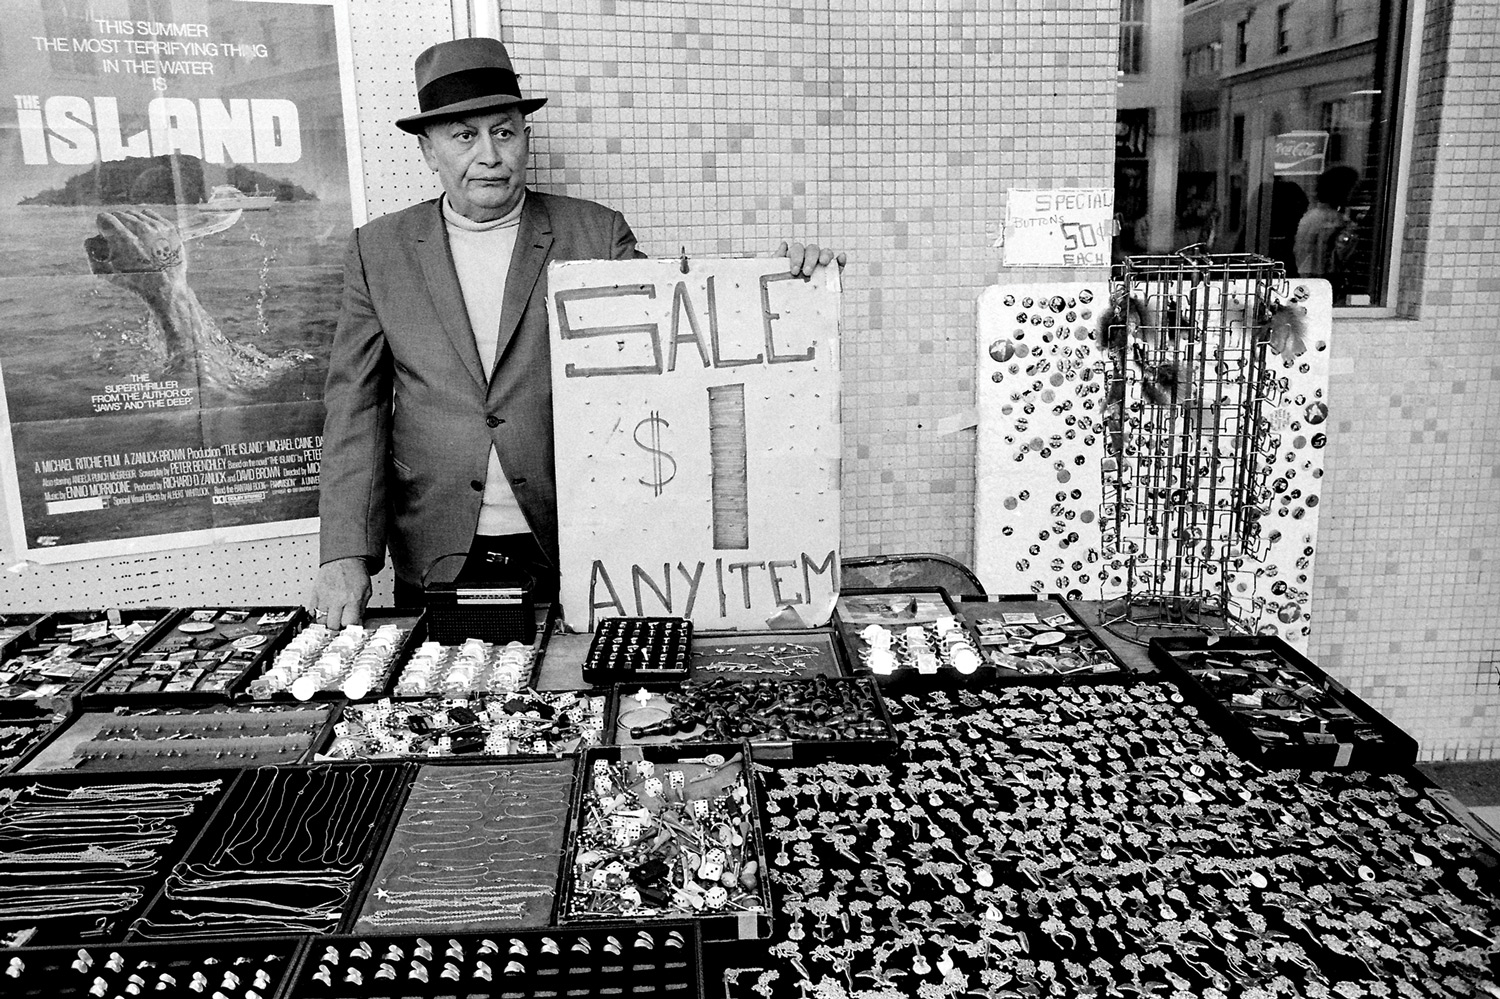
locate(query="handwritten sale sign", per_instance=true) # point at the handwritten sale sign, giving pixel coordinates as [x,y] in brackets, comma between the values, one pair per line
[696,418]
[1059,227]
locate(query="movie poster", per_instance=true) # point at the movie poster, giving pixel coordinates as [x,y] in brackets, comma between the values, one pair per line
[177,184]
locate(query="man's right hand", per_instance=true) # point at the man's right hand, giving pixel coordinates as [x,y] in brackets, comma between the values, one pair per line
[339,593]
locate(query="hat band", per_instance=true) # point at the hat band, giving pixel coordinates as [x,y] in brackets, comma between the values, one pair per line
[467,85]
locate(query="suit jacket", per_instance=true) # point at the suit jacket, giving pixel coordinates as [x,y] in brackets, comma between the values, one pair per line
[411,415]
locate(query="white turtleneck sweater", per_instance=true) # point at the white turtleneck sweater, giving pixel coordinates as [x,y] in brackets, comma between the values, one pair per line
[481,255]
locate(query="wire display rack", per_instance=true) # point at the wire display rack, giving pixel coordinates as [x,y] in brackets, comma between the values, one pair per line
[1187,447]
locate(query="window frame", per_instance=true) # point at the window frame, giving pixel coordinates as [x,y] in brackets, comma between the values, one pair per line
[1136,46]
[1402,77]
[1398,64]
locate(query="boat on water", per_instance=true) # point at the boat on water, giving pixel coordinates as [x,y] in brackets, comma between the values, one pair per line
[228,198]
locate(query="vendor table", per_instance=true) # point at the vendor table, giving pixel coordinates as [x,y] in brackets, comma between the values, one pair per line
[1087,836]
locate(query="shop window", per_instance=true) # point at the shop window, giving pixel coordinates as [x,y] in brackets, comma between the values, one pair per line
[1132,37]
[1288,158]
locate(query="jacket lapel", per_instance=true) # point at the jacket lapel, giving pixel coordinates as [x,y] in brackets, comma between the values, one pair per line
[533,244]
[442,286]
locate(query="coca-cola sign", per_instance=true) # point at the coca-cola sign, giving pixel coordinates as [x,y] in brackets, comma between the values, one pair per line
[1300,154]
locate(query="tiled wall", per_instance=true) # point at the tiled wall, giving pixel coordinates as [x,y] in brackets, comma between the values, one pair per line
[891,130]
[1407,594]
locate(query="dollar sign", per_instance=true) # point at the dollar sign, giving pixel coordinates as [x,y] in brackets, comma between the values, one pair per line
[656,423]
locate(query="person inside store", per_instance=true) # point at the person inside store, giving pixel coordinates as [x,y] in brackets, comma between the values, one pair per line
[1326,235]
[437,443]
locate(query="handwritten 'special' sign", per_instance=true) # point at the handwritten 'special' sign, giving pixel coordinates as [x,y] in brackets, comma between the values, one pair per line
[697,431]
[1059,227]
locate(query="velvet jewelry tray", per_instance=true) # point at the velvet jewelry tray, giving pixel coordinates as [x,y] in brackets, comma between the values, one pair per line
[497,857]
[660,961]
[349,737]
[766,655]
[288,822]
[110,927]
[1032,640]
[412,623]
[590,834]
[397,691]
[97,742]
[175,970]
[59,690]
[244,646]
[638,650]
[17,629]
[639,707]
[895,611]
[1341,732]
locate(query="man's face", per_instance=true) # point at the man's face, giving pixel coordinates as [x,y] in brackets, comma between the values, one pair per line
[481,160]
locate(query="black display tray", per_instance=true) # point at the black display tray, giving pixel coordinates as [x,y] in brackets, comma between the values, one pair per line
[600,672]
[53,627]
[421,634]
[97,695]
[413,620]
[240,800]
[92,929]
[333,733]
[167,969]
[1388,749]
[25,625]
[926,605]
[351,926]
[585,964]
[1078,633]
[45,751]
[858,749]
[802,652]
[716,927]
[27,735]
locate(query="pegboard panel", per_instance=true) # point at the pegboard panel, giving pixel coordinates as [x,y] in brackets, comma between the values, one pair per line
[387,35]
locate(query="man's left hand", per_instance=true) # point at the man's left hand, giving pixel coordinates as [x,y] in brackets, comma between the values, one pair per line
[806,259]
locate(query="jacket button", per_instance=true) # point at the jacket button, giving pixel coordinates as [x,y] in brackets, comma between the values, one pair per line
[493,421]
[477,485]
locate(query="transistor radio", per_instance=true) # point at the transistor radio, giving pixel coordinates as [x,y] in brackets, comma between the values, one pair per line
[494,612]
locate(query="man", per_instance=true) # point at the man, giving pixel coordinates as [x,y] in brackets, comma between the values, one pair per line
[438,439]
[1326,236]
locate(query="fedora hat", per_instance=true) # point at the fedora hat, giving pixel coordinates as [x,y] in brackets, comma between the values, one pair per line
[463,75]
